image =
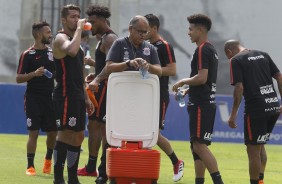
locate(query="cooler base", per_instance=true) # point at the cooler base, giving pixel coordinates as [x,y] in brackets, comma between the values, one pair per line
[131,181]
[133,166]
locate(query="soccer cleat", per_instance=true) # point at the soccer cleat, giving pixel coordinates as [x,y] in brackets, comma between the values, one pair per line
[261,182]
[178,170]
[83,172]
[30,171]
[101,180]
[47,166]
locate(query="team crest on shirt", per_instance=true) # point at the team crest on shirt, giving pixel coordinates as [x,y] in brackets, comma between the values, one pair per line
[72,121]
[50,56]
[28,122]
[146,51]
[58,122]
[126,55]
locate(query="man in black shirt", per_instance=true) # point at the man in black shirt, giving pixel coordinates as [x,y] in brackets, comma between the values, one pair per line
[251,73]
[69,97]
[167,59]
[97,16]
[201,106]
[38,96]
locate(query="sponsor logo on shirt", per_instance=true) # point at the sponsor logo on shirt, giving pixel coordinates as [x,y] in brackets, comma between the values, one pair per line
[32,52]
[255,57]
[277,109]
[266,89]
[213,87]
[159,42]
[271,100]
[37,57]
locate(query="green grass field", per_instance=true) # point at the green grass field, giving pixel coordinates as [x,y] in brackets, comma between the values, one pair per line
[232,161]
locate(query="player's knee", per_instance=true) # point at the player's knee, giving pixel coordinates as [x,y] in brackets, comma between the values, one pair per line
[195,156]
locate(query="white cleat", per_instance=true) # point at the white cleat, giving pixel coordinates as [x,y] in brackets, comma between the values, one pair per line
[178,171]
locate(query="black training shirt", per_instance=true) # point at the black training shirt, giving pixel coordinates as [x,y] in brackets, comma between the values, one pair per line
[69,75]
[255,70]
[30,61]
[204,57]
[166,56]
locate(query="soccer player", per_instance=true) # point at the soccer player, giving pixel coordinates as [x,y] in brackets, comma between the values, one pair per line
[167,60]
[251,73]
[69,97]
[201,106]
[97,16]
[38,96]
[128,53]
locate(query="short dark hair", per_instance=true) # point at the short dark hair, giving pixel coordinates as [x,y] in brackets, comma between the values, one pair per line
[200,19]
[99,11]
[36,27]
[65,10]
[153,20]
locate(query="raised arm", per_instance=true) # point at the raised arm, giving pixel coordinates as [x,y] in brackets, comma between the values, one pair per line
[62,46]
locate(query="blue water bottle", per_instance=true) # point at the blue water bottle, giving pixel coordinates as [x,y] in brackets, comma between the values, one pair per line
[143,72]
[48,74]
[180,98]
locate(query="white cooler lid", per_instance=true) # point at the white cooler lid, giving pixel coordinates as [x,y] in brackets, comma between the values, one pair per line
[132,109]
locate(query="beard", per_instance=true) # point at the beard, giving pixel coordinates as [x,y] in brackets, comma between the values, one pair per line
[45,41]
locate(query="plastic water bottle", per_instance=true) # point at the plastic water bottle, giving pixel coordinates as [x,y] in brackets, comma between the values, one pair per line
[144,72]
[87,55]
[87,26]
[180,98]
[48,74]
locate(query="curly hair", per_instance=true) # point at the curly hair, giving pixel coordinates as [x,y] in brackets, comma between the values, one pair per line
[200,19]
[99,11]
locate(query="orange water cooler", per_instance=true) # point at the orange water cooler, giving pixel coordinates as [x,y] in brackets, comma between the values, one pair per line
[132,128]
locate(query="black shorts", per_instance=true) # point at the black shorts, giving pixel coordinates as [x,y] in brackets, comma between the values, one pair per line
[163,107]
[70,113]
[201,118]
[40,113]
[101,96]
[258,130]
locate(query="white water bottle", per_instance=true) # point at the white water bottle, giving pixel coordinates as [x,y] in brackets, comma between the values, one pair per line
[180,98]
[48,74]
[88,56]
